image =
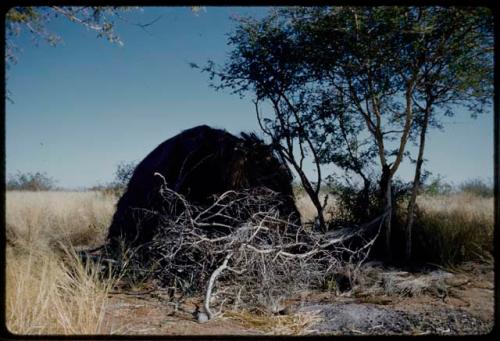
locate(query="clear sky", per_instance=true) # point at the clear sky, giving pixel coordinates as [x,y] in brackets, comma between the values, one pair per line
[86,105]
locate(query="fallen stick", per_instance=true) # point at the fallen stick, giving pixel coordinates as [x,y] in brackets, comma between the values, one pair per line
[211,283]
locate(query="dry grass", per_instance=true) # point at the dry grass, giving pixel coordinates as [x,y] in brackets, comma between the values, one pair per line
[48,290]
[35,219]
[46,295]
[449,229]
[455,228]
[472,207]
[293,324]
[307,210]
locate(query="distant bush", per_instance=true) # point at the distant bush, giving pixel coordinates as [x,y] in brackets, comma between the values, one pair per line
[354,205]
[123,173]
[437,186]
[108,189]
[30,182]
[477,187]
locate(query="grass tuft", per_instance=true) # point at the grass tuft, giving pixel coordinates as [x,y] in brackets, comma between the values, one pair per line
[47,294]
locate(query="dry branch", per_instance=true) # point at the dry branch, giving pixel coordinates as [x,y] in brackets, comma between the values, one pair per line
[243,241]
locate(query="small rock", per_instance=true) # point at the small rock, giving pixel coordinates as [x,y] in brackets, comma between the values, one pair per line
[202,317]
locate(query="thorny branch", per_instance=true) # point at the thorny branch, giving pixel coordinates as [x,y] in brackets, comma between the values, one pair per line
[243,242]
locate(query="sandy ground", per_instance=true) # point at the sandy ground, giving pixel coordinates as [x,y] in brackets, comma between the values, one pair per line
[467,308]
[147,315]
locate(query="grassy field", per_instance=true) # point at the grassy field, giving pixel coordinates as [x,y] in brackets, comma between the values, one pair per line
[455,228]
[48,290]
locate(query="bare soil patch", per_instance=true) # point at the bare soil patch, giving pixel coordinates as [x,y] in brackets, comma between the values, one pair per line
[147,315]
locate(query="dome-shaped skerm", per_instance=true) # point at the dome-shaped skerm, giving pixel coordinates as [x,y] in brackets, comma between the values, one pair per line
[198,163]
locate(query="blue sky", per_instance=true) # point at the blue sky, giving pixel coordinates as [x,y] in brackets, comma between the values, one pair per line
[85,105]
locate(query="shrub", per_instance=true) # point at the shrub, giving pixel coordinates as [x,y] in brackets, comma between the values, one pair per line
[123,173]
[477,187]
[437,186]
[30,182]
[269,259]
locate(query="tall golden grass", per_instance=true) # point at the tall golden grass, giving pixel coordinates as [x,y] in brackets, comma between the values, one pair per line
[454,228]
[47,295]
[449,229]
[307,210]
[78,218]
[48,289]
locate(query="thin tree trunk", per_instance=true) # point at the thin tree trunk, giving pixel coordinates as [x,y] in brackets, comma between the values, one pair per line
[319,209]
[386,191]
[365,199]
[311,192]
[286,154]
[314,196]
[416,186]
[388,171]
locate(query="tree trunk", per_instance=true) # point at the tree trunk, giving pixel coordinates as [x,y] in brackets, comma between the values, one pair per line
[313,195]
[365,200]
[319,209]
[386,192]
[411,211]
[315,200]
[305,183]
[415,187]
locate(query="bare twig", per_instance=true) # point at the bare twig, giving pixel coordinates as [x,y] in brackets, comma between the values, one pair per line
[210,286]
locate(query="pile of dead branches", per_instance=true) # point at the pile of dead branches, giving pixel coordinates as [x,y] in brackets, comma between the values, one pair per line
[240,241]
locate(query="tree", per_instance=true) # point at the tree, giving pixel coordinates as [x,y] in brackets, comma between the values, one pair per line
[436,186]
[410,66]
[266,60]
[34,19]
[456,71]
[99,19]
[123,173]
[356,84]
[30,182]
